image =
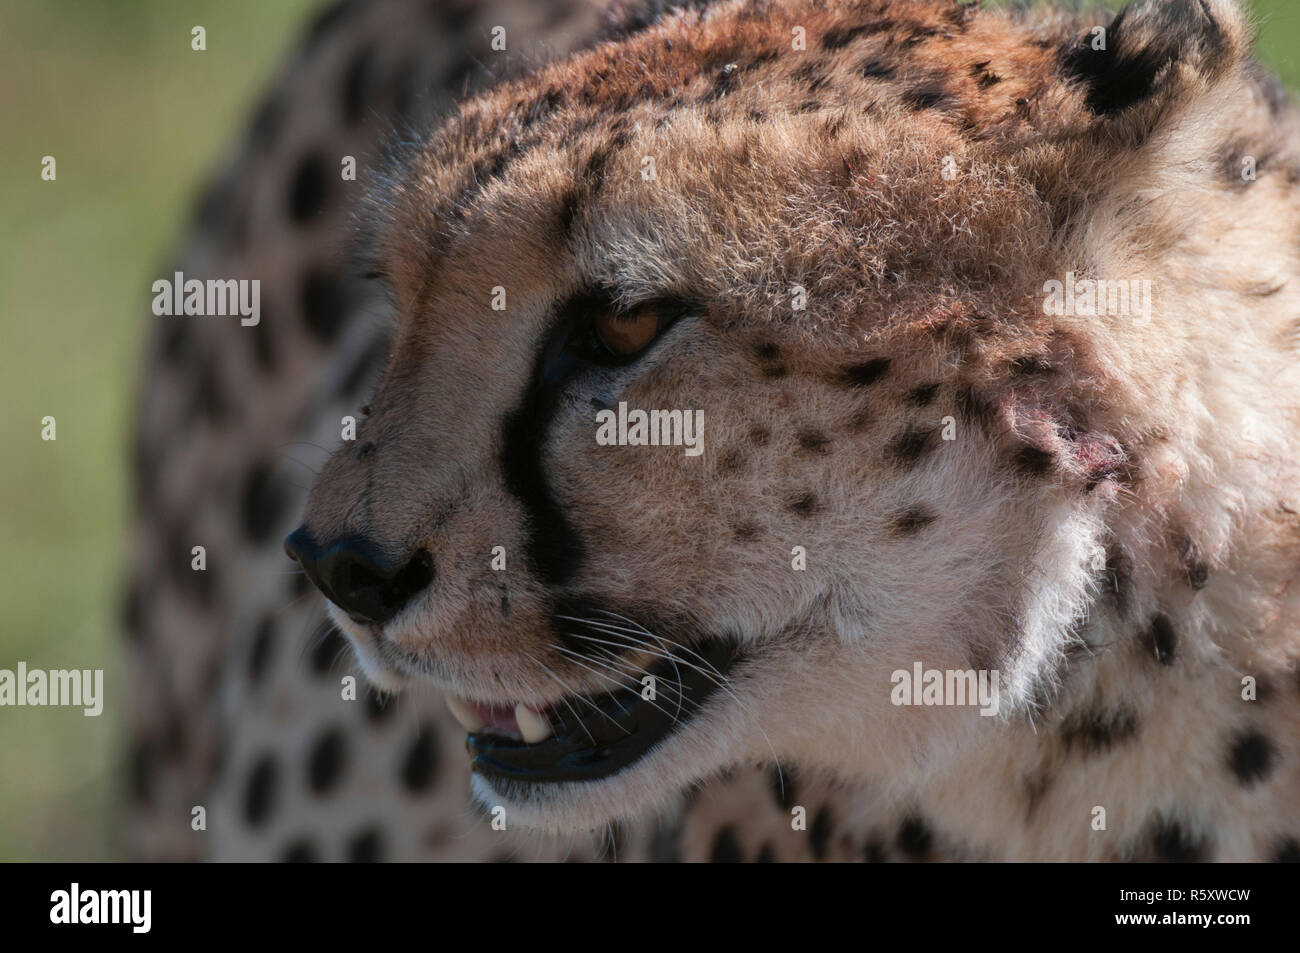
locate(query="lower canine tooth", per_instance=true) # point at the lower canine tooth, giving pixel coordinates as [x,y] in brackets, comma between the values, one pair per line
[465,713]
[532,726]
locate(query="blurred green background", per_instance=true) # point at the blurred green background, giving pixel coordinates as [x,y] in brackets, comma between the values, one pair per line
[136,121]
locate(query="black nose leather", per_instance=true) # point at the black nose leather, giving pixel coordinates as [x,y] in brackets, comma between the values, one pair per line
[357,577]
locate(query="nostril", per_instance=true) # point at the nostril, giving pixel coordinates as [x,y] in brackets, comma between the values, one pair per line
[415,576]
[361,580]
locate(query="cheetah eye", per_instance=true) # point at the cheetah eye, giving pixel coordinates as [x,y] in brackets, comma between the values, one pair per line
[627,334]
[615,337]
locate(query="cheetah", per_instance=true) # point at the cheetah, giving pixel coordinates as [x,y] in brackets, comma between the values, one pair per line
[990,321]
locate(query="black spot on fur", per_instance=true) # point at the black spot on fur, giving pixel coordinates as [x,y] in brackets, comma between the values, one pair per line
[421,760]
[759,435]
[1252,757]
[984,75]
[926,95]
[746,532]
[975,409]
[1033,461]
[543,106]
[263,642]
[299,851]
[875,67]
[1193,567]
[731,460]
[357,83]
[765,855]
[325,762]
[912,444]
[262,504]
[819,834]
[873,851]
[1173,843]
[570,203]
[1096,732]
[1288,851]
[915,839]
[633,16]
[813,441]
[726,848]
[593,173]
[324,303]
[922,396]
[840,37]
[1161,640]
[308,188]
[1031,366]
[804,504]
[365,450]
[811,75]
[366,846]
[911,521]
[260,791]
[865,374]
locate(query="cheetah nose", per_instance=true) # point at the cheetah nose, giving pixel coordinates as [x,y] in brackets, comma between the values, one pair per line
[357,576]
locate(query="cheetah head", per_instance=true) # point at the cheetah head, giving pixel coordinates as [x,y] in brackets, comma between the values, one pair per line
[721,389]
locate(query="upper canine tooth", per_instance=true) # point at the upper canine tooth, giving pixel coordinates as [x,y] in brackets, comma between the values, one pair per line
[532,726]
[465,713]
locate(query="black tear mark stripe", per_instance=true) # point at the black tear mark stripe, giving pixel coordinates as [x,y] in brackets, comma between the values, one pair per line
[552,547]
[1096,732]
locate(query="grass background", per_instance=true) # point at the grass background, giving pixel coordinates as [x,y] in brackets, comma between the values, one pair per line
[135,120]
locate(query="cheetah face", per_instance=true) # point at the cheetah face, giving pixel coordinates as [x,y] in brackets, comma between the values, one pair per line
[860,480]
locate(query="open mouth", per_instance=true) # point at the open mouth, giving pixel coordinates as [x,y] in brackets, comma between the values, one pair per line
[593,736]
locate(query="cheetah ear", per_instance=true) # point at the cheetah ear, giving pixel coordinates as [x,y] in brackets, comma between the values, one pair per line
[1156,52]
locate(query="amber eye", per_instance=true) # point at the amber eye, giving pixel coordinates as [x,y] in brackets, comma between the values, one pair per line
[600,333]
[626,335]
